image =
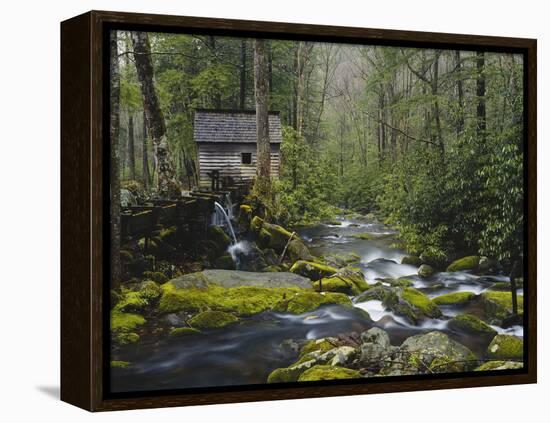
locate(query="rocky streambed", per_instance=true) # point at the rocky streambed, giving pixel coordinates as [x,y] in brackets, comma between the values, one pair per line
[337,301]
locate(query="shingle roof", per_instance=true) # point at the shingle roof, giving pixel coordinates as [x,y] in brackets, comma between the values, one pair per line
[230,126]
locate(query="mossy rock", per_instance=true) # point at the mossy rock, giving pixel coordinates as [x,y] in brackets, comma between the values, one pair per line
[158,277]
[124,338]
[212,320]
[504,286]
[425,271]
[256,224]
[498,305]
[322,372]
[412,260]
[284,375]
[346,281]
[177,332]
[499,365]
[297,250]
[471,324]
[421,302]
[312,270]
[341,260]
[435,352]
[118,364]
[505,347]
[333,222]
[321,345]
[454,298]
[465,263]
[224,262]
[306,301]
[125,322]
[273,268]
[239,300]
[220,239]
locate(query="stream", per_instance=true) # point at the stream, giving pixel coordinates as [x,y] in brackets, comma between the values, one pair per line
[245,354]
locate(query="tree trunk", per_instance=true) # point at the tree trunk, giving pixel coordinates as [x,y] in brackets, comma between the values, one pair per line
[242,93]
[145,158]
[131,147]
[166,182]
[263,165]
[480,94]
[115,161]
[460,94]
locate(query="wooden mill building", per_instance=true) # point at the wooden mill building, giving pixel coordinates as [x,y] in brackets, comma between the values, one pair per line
[226,142]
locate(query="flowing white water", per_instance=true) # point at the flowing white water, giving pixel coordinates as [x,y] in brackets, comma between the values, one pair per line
[220,209]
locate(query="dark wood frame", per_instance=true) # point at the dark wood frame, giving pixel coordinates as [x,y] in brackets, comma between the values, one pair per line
[83,208]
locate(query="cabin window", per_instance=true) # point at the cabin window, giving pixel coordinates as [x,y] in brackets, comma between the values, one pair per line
[246,158]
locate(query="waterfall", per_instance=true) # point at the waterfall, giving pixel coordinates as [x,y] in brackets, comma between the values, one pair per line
[229,205]
[223,213]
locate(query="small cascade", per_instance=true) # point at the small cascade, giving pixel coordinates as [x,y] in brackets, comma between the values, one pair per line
[220,218]
[229,206]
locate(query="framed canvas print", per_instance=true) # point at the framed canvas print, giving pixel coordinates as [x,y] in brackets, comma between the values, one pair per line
[256,211]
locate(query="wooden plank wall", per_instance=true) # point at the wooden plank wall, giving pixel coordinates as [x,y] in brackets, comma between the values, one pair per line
[226,157]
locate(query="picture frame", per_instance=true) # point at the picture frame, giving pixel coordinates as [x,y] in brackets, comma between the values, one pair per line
[85,206]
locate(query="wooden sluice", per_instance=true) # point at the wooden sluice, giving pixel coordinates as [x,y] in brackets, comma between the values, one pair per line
[191,215]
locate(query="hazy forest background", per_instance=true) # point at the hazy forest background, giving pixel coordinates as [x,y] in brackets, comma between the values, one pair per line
[431,140]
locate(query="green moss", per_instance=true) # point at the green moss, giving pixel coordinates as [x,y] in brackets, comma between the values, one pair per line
[305,301]
[245,208]
[256,224]
[345,281]
[328,373]
[454,298]
[158,277]
[471,324]
[465,263]
[224,262]
[241,300]
[505,347]
[212,319]
[498,305]
[333,222]
[123,338]
[312,270]
[322,345]
[131,302]
[184,331]
[218,236]
[116,364]
[284,374]
[125,322]
[150,291]
[421,302]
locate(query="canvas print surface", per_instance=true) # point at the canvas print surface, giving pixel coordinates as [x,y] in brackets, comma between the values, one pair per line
[297,211]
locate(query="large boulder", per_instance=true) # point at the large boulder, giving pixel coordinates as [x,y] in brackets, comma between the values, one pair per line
[470,263]
[233,278]
[269,234]
[425,271]
[434,352]
[434,258]
[498,306]
[408,302]
[505,347]
[297,250]
[346,281]
[471,325]
[375,348]
[312,270]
